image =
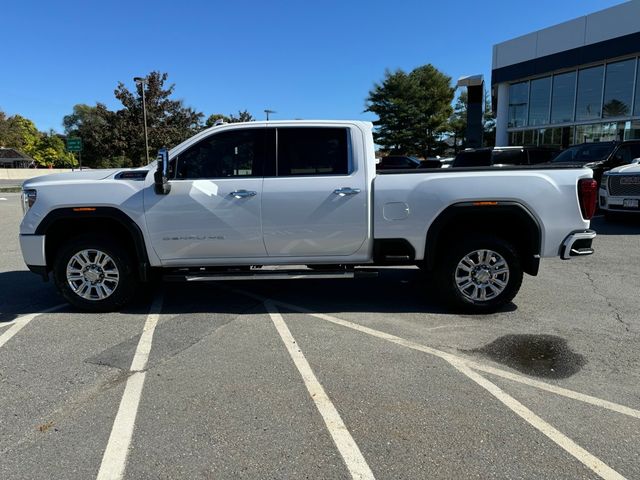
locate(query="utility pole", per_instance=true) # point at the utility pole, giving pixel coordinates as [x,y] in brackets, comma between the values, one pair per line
[143,81]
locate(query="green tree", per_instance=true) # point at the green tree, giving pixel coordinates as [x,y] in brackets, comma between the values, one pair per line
[169,121]
[243,116]
[457,126]
[47,149]
[50,152]
[213,118]
[95,125]
[489,123]
[20,133]
[413,110]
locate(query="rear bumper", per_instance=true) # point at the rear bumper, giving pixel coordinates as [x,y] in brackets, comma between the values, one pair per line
[577,244]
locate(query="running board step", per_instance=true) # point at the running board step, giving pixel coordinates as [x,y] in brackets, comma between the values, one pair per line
[268,275]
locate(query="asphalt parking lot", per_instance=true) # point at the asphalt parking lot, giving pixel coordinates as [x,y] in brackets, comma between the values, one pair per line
[325,378]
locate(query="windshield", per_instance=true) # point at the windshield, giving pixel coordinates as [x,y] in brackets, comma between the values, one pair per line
[585,153]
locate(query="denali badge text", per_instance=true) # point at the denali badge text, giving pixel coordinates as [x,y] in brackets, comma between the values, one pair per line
[630,181]
[196,237]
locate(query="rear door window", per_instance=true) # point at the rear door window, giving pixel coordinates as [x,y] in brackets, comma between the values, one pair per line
[304,151]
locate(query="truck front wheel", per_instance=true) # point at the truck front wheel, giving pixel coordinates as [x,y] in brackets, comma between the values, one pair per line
[94,273]
[480,274]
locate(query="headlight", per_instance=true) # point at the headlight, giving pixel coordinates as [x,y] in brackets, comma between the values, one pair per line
[29,197]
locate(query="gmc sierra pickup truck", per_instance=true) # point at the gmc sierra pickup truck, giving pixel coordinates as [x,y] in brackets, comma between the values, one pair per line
[237,200]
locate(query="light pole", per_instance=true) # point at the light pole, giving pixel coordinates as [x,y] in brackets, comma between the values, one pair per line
[143,81]
[267,111]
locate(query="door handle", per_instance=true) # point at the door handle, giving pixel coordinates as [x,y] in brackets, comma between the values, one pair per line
[243,193]
[343,191]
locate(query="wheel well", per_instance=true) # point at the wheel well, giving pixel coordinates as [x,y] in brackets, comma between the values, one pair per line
[63,225]
[509,221]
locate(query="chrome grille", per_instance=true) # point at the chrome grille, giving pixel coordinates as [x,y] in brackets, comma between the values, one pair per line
[624,185]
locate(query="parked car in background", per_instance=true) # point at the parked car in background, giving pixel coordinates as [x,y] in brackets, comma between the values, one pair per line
[484,157]
[600,156]
[620,190]
[394,162]
[405,162]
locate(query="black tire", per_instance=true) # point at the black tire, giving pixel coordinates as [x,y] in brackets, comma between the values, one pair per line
[447,267]
[127,283]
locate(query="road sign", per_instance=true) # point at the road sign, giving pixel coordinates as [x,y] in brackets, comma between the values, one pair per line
[74,144]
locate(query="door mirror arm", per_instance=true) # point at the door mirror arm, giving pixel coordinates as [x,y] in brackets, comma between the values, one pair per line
[160,177]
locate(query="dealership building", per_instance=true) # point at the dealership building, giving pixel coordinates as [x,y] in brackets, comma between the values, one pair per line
[575,82]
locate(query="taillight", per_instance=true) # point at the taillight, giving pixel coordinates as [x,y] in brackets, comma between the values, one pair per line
[587,194]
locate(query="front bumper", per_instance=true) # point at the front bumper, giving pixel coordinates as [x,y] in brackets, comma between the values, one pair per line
[33,252]
[577,244]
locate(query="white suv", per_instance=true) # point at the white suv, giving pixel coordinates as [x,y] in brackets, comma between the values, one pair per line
[620,189]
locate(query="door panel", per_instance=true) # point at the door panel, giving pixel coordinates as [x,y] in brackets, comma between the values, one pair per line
[213,209]
[315,207]
[304,217]
[205,219]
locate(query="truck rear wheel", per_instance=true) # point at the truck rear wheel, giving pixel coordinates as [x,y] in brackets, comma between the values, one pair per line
[480,274]
[95,273]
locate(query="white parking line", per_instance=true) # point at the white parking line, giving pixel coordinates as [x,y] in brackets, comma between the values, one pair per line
[21,322]
[598,402]
[464,366]
[114,459]
[356,464]
[590,461]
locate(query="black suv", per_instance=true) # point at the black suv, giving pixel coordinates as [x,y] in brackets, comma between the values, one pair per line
[600,156]
[405,162]
[393,162]
[484,157]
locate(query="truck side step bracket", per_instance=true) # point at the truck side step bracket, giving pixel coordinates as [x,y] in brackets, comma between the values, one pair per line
[268,275]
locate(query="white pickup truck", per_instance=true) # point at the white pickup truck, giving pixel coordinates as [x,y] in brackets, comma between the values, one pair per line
[237,200]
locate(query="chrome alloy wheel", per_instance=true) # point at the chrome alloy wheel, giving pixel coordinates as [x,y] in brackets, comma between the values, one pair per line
[92,274]
[482,275]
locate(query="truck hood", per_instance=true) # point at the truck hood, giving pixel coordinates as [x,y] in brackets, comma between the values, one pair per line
[633,168]
[80,175]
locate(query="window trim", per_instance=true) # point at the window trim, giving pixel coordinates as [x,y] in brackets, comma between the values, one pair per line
[187,148]
[351,168]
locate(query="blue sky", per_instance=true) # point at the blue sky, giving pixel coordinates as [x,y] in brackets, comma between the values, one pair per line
[305,59]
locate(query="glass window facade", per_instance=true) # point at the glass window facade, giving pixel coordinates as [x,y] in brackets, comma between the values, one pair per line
[636,110]
[518,102]
[563,99]
[633,132]
[618,89]
[589,100]
[591,104]
[539,101]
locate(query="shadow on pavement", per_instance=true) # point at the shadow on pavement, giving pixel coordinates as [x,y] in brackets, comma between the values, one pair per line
[397,290]
[617,225]
[23,292]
